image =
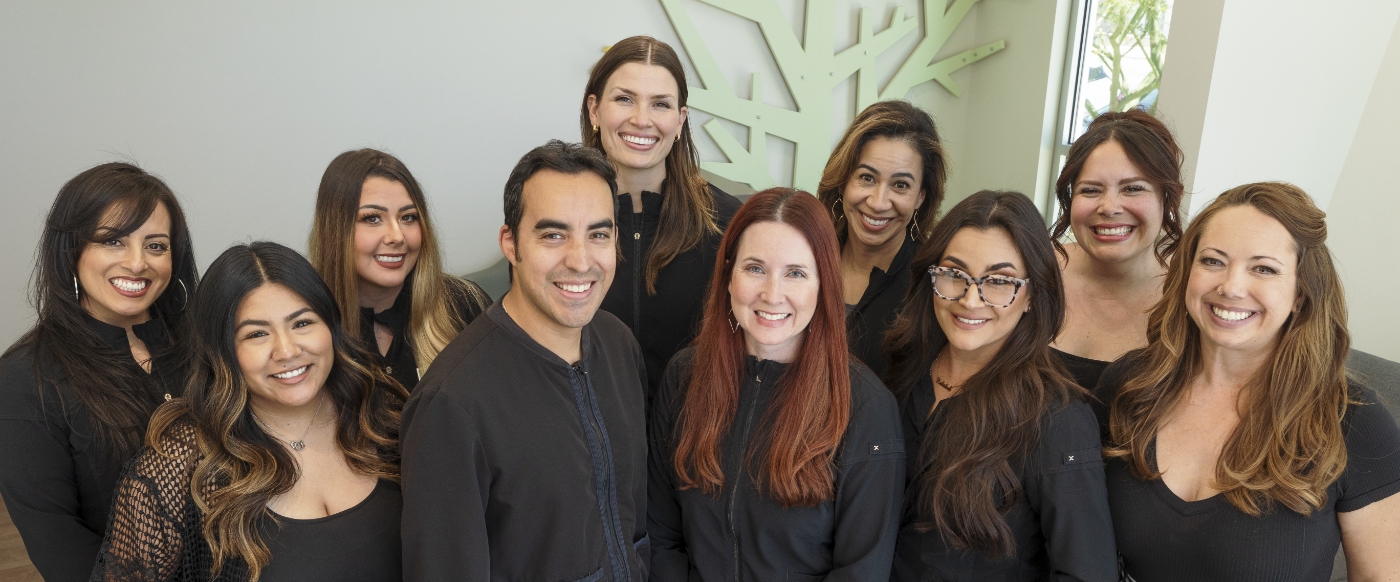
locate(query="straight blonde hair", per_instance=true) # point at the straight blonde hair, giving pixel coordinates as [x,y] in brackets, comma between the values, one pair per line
[433,320]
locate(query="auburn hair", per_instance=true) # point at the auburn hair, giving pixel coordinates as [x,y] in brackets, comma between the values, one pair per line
[1151,148]
[969,478]
[687,207]
[433,318]
[242,467]
[812,402]
[897,120]
[1289,446]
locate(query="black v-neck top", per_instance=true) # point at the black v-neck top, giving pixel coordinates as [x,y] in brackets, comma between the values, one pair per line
[669,320]
[466,297]
[1162,538]
[57,478]
[358,544]
[868,320]
[1061,522]
[1085,371]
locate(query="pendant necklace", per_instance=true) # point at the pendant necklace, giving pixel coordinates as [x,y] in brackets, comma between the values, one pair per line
[300,443]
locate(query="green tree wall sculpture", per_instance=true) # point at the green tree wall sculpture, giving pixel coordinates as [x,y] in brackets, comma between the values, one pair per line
[811,70]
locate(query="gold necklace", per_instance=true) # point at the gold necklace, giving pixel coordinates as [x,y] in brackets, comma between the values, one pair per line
[300,443]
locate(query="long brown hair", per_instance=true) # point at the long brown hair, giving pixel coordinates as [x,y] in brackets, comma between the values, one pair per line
[1152,150]
[687,209]
[970,481]
[1288,447]
[242,466]
[111,389]
[897,120]
[433,319]
[812,405]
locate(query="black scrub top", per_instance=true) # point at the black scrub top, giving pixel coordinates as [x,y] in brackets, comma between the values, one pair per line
[57,478]
[667,321]
[1061,522]
[868,320]
[1163,538]
[1085,371]
[466,297]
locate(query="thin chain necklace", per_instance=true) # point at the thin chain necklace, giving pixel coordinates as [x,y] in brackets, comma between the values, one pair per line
[933,369]
[300,443]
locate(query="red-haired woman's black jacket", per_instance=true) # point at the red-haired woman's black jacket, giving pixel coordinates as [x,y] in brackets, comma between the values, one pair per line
[743,534]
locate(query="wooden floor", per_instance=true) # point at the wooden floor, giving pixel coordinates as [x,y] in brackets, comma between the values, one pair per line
[14,563]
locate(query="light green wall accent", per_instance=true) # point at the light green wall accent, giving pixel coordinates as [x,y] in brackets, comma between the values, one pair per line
[811,73]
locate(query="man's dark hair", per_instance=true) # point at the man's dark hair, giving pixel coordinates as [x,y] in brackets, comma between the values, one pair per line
[566,158]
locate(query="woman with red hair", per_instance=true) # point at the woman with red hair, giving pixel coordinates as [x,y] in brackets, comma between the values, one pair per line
[774,454]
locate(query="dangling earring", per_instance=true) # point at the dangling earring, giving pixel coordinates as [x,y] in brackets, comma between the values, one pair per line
[838,219]
[733,325]
[914,229]
[75,289]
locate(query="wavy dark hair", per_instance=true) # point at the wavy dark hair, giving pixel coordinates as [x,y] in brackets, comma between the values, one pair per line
[899,120]
[433,320]
[105,381]
[812,406]
[242,466]
[687,209]
[1289,445]
[1151,148]
[970,478]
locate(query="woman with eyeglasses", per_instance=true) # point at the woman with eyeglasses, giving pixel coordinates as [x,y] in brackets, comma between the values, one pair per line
[115,273]
[1005,477]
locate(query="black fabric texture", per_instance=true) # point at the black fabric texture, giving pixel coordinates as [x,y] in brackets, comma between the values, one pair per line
[518,465]
[669,320]
[56,476]
[868,320]
[156,530]
[743,534]
[1085,371]
[1061,523]
[1163,538]
[465,297]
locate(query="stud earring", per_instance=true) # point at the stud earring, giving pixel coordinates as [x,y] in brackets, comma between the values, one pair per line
[595,129]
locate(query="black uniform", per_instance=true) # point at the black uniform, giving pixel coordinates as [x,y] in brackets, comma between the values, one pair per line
[464,296]
[745,535]
[1061,522]
[1163,538]
[667,321]
[520,466]
[1085,371]
[56,476]
[868,320]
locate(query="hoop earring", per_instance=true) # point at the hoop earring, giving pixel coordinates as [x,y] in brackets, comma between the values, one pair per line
[186,292]
[76,297]
[595,129]
[837,221]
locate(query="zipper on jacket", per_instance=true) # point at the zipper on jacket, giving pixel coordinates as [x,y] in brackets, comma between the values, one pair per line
[638,283]
[738,476]
[618,554]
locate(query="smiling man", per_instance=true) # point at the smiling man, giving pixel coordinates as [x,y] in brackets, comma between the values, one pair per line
[524,446]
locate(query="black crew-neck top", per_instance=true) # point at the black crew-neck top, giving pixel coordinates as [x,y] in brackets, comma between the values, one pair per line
[466,297]
[869,319]
[743,533]
[359,543]
[56,476]
[1061,521]
[669,320]
[1085,371]
[1162,538]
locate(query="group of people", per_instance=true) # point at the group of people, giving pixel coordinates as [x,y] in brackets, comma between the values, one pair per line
[677,386]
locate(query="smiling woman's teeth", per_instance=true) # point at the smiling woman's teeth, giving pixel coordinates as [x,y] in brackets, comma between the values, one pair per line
[290,373]
[1228,315]
[1117,231]
[575,288]
[639,140]
[129,286]
[772,316]
[875,222]
[969,321]
[388,259]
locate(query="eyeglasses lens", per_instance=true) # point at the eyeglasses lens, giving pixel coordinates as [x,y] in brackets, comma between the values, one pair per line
[949,285]
[998,291]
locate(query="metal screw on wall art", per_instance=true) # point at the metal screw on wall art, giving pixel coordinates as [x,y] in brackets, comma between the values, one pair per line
[809,126]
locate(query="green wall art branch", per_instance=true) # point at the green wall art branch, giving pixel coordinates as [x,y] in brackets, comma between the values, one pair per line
[811,70]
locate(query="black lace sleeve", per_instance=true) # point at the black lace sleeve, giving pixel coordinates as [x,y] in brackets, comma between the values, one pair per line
[154,521]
